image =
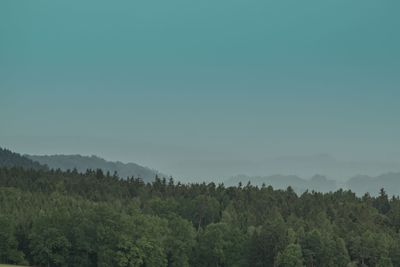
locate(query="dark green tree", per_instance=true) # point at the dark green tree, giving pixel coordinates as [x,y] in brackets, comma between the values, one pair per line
[291,257]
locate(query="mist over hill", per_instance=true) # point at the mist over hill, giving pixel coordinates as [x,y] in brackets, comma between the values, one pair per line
[363,183]
[82,163]
[359,184]
[326,164]
[222,169]
[317,182]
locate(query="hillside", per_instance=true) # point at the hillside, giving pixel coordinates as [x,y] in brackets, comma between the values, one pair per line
[82,163]
[55,218]
[11,159]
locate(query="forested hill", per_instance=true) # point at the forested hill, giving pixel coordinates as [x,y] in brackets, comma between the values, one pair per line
[82,163]
[56,218]
[11,159]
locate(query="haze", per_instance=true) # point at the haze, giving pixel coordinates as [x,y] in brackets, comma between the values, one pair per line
[205,89]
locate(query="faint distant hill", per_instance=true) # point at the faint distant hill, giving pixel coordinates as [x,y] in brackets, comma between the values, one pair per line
[317,182]
[340,170]
[221,169]
[11,159]
[82,163]
[362,183]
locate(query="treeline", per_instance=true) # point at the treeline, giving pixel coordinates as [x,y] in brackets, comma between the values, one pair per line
[10,159]
[56,218]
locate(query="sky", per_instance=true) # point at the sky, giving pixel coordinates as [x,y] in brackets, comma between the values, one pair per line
[201,88]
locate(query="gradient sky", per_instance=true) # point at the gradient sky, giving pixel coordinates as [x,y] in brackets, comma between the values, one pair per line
[164,83]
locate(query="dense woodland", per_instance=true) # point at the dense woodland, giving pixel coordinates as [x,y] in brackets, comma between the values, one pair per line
[12,159]
[65,218]
[82,163]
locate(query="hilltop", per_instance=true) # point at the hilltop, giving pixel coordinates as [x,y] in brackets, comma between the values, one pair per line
[82,163]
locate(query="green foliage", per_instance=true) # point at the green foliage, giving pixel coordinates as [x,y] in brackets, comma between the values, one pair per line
[8,243]
[290,257]
[56,218]
[268,241]
[10,159]
[180,242]
[385,262]
[219,245]
[49,247]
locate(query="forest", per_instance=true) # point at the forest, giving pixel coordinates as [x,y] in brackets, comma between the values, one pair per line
[67,218]
[205,133]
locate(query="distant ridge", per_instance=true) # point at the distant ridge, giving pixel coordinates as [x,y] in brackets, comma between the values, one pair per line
[363,183]
[359,184]
[11,159]
[318,182]
[82,163]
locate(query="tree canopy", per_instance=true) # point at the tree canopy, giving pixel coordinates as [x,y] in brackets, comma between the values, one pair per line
[66,218]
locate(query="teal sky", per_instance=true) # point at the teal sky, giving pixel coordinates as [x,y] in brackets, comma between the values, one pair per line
[164,83]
